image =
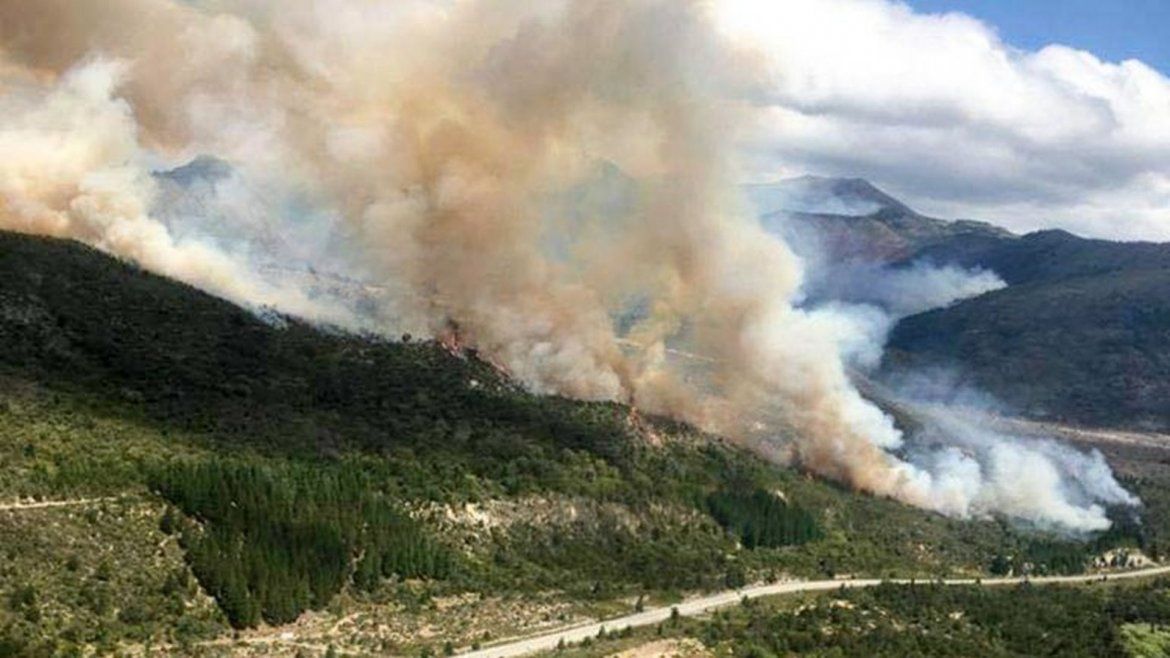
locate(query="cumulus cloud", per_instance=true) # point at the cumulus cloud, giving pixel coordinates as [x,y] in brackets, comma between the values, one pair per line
[936,107]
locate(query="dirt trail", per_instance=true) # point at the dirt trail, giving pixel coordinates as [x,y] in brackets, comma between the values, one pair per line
[574,634]
[44,504]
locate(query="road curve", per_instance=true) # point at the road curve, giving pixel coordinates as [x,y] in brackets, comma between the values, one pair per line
[550,640]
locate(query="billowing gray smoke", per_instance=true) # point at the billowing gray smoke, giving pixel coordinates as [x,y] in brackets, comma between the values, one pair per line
[456,159]
[974,468]
[981,471]
[902,291]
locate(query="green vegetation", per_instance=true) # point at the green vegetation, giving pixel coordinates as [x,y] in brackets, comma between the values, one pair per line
[95,576]
[277,468]
[935,620]
[1079,335]
[615,551]
[274,543]
[1041,557]
[1146,640]
[762,519]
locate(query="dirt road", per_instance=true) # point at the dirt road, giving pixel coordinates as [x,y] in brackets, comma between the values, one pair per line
[698,606]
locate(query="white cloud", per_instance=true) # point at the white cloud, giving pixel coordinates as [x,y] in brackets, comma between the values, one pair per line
[938,109]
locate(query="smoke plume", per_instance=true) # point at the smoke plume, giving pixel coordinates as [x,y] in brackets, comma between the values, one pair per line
[459,159]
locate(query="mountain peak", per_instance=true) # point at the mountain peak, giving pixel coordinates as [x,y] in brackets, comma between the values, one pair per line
[203,168]
[825,195]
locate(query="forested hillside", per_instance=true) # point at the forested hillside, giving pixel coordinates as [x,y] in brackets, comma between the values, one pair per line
[272,468]
[1081,334]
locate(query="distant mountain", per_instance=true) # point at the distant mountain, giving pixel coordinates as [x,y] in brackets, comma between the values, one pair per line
[1049,256]
[822,195]
[1081,332]
[850,219]
[201,169]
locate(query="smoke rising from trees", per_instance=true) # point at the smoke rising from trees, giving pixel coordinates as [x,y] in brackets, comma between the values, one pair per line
[458,159]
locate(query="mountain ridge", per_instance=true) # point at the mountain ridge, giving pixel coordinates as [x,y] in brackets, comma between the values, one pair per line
[1080,333]
[852,219]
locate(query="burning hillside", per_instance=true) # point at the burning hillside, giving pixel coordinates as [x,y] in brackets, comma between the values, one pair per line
[459,153]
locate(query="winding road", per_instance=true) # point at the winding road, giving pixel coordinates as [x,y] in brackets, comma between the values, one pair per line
[550,640]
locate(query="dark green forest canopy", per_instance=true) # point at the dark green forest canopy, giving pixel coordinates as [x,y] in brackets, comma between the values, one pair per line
[270,543]
[1081,334]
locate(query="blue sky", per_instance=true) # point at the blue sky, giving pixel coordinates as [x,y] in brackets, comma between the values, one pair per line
[1111,29]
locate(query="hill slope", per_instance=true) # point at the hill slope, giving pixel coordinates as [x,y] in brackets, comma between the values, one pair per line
[1081,333]
[1050,256]
[277,468]
[849,219]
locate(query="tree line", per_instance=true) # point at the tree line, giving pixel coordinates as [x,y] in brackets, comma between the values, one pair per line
[269,542]
[762,519]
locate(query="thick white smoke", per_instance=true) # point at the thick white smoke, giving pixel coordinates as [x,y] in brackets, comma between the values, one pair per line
[455,163]
[979,471]
[73,167]
[904,290]
[971,469]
